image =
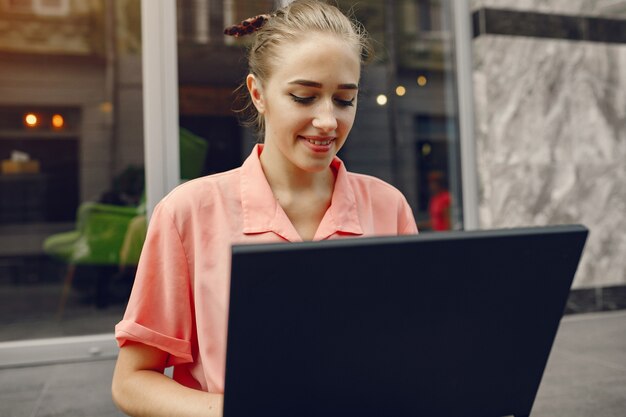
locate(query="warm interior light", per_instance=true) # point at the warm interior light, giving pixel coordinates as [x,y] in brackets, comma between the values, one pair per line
[421,81]
[57,121]
[400,90]
[106,107]
[31,120]
[381,100]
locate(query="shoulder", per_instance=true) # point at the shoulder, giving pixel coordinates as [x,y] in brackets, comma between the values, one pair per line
[383,204]
[374,188]
[202,192]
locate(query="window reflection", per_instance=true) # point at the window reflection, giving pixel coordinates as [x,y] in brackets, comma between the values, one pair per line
[415,135]
[71,184]
[407,95]
[72,218]
[210,68]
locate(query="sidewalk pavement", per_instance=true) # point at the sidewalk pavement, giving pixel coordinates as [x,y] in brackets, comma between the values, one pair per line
[585,376]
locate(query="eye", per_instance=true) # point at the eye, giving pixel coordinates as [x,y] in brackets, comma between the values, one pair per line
[345,103]
[302,100]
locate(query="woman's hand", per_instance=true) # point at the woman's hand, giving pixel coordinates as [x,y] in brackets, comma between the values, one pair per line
[141,389]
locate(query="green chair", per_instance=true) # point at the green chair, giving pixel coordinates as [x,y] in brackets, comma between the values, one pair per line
[100,230]
[193,151]
[112,235]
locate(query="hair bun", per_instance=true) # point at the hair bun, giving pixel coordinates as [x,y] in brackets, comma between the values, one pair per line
[248,26]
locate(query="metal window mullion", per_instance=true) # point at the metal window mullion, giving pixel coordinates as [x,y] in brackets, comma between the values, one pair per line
[160,98]
[463,55]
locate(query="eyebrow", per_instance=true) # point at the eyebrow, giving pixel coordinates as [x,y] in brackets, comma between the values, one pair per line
[315,84]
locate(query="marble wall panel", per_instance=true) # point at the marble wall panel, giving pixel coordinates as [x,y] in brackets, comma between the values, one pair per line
[606,8]
[551,142]
[600,195]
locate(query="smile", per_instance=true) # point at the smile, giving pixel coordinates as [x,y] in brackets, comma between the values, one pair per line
[318,142]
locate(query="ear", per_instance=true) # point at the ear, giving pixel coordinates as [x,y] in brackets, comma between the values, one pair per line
[256,93]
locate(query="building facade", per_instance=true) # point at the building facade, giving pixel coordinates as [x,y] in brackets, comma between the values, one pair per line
[548,110]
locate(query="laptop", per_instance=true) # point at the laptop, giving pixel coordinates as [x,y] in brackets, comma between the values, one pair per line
[447,324]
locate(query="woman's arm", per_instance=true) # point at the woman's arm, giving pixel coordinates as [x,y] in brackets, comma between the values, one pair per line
[141,389]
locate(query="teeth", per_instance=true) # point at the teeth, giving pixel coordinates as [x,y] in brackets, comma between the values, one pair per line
[317,142]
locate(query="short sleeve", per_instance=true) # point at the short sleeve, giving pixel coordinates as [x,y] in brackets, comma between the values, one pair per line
[160,308]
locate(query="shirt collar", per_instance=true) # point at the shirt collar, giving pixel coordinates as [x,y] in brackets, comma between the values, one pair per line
[262,213]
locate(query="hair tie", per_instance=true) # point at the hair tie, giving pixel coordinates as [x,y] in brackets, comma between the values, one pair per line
[247,26]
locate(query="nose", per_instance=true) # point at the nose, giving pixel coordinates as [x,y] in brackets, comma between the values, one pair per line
[325,118]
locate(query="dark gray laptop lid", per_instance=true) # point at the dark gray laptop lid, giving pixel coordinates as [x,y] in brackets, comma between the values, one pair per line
[450,324]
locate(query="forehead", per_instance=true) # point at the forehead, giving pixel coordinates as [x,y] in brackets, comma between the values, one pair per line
[323,58]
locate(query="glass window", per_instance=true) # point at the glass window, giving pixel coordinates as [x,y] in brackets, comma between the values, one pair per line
[72,218]
[407,126]
[72,177]
[210,68]
[406,130]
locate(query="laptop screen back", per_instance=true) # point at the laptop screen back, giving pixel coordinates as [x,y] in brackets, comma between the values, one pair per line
[458,323]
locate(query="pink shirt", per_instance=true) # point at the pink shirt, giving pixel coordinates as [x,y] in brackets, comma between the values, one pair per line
[179,302]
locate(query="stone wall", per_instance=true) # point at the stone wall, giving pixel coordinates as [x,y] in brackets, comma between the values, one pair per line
[551,134]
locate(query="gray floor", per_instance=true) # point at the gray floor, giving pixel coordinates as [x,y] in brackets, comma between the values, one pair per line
[585,376]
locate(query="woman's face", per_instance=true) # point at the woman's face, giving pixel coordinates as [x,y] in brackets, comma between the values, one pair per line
[309,101]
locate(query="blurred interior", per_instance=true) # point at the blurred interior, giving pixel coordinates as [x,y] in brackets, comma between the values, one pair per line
[72,205]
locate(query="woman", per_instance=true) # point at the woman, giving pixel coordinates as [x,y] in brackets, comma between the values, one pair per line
[304,73]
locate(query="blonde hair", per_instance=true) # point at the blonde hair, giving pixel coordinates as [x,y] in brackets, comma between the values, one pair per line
[290,23]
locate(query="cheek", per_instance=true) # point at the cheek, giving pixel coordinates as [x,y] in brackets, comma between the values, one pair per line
[289,119]
[300,116]
[347,120]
